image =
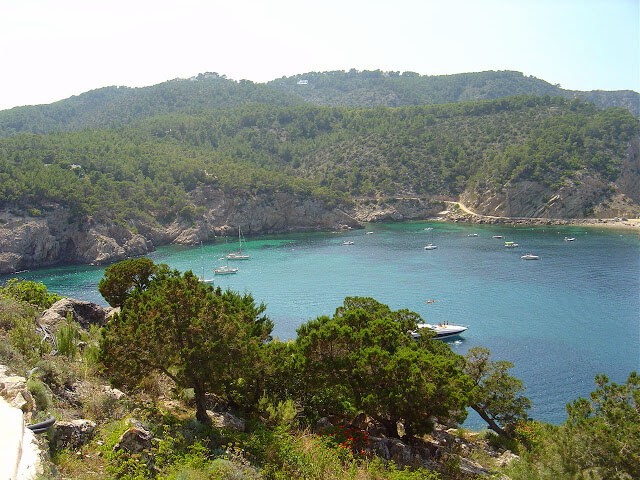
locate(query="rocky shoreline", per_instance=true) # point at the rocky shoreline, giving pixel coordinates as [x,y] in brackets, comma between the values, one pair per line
[458,213]
[56,237]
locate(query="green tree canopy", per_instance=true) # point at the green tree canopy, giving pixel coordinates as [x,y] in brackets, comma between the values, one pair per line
[495,395]
[123,278]
[364,358]
[603,433]
[200,337]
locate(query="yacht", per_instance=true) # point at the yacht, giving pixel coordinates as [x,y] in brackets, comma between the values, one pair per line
[225,270]
[238,255]
[529,256]
[442,330]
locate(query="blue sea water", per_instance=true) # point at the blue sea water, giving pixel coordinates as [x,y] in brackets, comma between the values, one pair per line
[560,320]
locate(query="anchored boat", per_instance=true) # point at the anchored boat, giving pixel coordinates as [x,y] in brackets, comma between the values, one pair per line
[442,330]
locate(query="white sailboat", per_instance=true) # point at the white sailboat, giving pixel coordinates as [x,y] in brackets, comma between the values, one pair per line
[238,255]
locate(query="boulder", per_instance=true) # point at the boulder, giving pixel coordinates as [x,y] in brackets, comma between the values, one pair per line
[135,440]
[226,420]
[507,458]
[15,392]
[113,393]
[85,313]
[72,435]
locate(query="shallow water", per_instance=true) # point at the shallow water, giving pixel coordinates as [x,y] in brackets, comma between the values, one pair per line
[560,320]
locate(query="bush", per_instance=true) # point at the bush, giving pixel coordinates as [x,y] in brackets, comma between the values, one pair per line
[25,339]
[30,292]
[40,394]
[66,338]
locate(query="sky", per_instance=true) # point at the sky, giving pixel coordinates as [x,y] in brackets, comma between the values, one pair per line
[51,50]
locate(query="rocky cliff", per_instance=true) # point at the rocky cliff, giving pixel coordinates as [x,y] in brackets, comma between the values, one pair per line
[56,236]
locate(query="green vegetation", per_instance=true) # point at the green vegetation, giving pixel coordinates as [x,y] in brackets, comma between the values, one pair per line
[198,336]
[30,292]
[153,169]
[113,106]
[175,332]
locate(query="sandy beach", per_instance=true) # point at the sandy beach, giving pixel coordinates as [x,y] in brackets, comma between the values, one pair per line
[458,212]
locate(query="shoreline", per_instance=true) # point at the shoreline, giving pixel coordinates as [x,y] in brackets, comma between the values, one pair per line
[462,214]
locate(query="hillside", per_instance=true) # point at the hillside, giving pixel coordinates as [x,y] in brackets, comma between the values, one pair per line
[99,195]
[394,89]
[113,106]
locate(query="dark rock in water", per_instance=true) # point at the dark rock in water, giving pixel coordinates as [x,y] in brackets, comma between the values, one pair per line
[84,313]
[72,435]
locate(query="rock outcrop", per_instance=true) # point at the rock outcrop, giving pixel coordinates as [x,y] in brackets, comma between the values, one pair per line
[13,388]
[73,434]
[84,313]
[57,237]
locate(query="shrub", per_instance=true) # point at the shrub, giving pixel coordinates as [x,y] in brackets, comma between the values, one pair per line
[30,292]
[66,338]
[25,339]
[40,394]
[280,413]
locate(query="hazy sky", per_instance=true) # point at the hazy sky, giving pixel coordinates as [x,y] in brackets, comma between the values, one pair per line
[50,50]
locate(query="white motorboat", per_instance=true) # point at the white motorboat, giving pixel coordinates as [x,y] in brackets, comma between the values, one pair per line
[369,233]
[442,330]
[225,270]
[510,244]
[569,239]
[472,235]
[348,242]
[431,246]
[497,236]
[529,256]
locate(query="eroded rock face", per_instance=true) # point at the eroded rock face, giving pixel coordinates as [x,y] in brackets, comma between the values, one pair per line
[58,237]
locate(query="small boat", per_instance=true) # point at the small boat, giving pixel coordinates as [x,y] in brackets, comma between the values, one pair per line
[225,270]
[431,246]
[529,256]
[369,233]
[238,255]
[348,242]
[442,330]
[472,235]
[569,239]
[497,236]
[428,228]
[510,244]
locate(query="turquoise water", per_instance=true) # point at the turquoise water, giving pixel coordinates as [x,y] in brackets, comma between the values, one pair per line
[561,319]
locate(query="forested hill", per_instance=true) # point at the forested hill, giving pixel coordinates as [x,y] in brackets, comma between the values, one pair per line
[394,89]
[113,106]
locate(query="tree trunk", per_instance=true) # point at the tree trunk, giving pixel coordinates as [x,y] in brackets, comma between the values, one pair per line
[492,424]
[201,404]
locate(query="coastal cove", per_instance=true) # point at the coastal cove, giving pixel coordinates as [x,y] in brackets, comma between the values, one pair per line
[560,320]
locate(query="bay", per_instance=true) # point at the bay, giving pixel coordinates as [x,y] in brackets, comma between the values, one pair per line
[560,320]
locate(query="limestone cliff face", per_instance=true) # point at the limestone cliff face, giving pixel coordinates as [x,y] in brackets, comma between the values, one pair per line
[583,195]
[57,237]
